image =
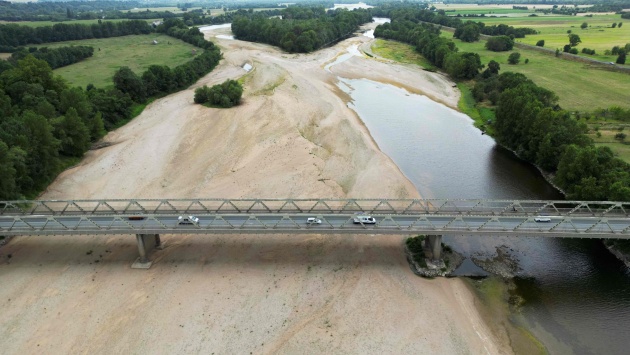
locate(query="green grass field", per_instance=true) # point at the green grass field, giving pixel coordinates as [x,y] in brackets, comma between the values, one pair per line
[580,87]
[136,52]
[553,29]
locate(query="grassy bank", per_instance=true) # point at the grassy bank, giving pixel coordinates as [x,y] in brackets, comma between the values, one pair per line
[400,52]
[137,52]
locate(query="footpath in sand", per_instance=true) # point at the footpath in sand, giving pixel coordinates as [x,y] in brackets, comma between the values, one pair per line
[293,136]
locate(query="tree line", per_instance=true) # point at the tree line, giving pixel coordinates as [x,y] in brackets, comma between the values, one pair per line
[440,51]
[13,36]
[467,31]
[44,123]
[53,10]
[55,57]
[303,30]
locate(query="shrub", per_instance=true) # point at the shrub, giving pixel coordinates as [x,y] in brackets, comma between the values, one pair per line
[225,95]
[514,58]
[541,43]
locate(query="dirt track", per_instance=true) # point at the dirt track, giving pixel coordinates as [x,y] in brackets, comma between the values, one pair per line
[293,136]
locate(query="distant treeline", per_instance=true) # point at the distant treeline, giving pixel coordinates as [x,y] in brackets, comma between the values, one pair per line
[51,11]
[13,35]
[55,57]
[44,123]
[470,28]
[301,29]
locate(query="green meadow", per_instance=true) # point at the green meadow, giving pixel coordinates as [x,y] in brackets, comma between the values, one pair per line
[136,52]
[580,87]
[599,34]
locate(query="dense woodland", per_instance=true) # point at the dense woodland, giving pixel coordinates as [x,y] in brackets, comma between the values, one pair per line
[45,124]
[300,29]
[528,118]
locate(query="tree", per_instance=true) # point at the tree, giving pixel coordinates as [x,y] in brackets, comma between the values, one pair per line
[128,82]
[72,133]
[574,40]
[621,59]
[514,58]
[8,186]
[584,25]
[468,32]
[614,24]
[500,43]
[540,43]
[619,25]
[493,67]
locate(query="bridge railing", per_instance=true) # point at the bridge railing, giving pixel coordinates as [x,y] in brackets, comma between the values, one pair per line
[322,206]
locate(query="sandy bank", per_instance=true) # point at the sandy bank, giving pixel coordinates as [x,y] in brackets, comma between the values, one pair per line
[293,136]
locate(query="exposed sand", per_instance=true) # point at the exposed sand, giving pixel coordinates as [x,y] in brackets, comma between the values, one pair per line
[293,136]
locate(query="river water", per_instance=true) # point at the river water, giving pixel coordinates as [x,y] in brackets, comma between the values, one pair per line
[577,295]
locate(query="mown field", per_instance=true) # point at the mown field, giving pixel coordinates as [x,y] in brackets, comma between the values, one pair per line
[579,86]
[136,52]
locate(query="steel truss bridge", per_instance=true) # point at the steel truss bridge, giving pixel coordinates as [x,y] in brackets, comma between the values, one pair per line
[594,219]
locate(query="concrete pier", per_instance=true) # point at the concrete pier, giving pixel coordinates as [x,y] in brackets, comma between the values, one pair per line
[434,244]
[146,244]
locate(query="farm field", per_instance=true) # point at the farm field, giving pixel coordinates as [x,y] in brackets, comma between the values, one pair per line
[137,52]
[553,29]
[579,86]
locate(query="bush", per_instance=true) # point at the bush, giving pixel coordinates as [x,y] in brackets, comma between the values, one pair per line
[541,43]
[500,43]
[225,95]
[414,244]
[514,58]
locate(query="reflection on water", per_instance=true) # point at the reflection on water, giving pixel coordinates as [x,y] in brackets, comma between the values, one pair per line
[577,295]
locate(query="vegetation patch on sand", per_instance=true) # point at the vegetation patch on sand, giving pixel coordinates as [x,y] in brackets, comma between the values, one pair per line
[400,52]
[137,52]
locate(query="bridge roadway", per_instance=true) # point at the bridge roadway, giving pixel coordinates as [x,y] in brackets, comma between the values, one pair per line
[599,219]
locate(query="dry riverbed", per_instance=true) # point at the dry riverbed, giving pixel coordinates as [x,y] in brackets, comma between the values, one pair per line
[293,136]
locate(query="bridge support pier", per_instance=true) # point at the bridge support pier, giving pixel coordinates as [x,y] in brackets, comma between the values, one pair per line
[434,244]
[146,243]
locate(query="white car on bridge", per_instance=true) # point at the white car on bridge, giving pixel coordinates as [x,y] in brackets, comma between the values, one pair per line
[188,220]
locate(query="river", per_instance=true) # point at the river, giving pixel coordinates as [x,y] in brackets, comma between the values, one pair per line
[576,294]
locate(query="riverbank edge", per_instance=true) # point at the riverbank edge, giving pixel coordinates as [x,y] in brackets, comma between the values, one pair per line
[472,111]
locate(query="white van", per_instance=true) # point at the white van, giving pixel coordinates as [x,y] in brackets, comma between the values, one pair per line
[364,219]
